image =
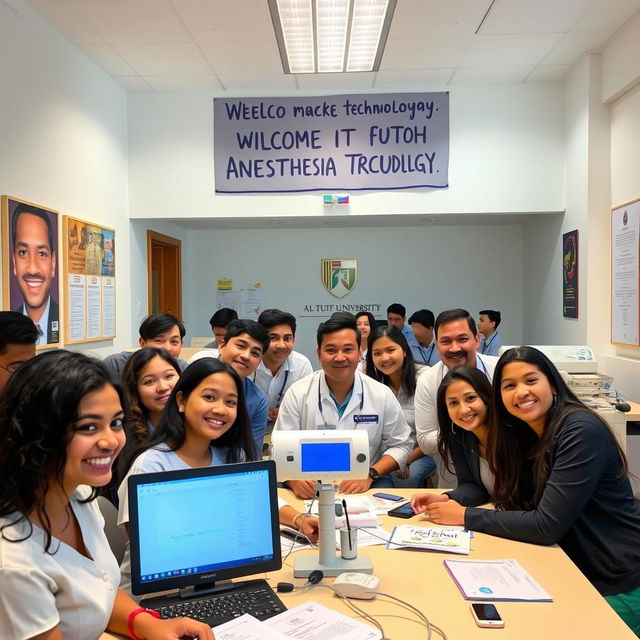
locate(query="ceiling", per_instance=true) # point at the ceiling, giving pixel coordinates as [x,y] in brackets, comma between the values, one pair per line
[228,47]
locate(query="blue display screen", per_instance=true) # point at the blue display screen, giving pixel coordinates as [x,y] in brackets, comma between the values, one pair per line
[326,457]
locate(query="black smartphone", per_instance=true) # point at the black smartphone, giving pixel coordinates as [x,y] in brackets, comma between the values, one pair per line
[403,511]
[388,496]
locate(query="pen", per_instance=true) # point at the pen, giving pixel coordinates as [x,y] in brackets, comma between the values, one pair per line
[346,515]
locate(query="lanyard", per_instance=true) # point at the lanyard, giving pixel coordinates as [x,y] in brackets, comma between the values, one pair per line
[326,425]
[281,392]
[486,345]
[428,358]
[282,388]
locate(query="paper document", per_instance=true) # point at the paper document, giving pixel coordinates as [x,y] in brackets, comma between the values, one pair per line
[312,621]
[368,537]
[246,627]
[495,580]
[448,539]
[361,510]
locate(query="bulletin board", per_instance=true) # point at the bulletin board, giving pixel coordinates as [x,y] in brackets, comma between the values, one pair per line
[625,274]
[89,281]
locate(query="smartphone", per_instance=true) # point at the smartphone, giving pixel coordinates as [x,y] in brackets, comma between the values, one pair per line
[486,615]
[404,511]
[388,496]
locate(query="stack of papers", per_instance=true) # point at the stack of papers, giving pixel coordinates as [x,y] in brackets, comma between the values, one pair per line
[495,580]
[310,621]
[361,511]
[448,539]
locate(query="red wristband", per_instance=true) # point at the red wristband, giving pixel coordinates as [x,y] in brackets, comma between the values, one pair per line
[132,617]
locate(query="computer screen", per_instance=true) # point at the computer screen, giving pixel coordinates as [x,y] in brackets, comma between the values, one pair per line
[325,456]
[194,527]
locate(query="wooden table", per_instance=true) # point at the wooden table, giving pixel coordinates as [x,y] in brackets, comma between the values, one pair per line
[577,610]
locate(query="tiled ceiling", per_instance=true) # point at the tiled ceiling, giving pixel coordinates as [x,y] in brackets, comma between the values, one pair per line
[228,46]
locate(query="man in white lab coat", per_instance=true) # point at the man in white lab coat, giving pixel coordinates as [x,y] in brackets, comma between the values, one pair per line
[340,397]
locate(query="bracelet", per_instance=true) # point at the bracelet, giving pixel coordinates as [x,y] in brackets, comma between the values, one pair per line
[132,617]
[293,522]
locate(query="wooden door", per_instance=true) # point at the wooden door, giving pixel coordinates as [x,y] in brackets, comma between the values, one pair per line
[164,274]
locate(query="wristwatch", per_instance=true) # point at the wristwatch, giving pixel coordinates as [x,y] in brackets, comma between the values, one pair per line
[374,474]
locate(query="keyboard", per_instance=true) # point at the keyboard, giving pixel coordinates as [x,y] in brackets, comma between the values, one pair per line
[259,600]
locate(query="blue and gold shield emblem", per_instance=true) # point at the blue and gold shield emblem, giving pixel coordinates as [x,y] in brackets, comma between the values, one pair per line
[338,275]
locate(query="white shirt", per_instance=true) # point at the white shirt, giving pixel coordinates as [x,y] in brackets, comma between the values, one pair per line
[204,353]
[425,400]
[43,323]
[295,367]
[309,405]
[41,590]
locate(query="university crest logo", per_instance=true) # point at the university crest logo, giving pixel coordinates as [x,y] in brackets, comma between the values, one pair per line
[338,275]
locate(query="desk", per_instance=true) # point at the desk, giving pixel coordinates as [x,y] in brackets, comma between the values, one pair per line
[634,414]
[578,610]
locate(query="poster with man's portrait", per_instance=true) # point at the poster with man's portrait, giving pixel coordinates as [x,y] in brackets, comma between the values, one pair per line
[30,266]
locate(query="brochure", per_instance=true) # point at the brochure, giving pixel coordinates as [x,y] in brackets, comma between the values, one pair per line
[447,539]
[497,580]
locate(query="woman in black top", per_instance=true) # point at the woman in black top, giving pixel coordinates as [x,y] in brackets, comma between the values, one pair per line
[463,401]
[560,477]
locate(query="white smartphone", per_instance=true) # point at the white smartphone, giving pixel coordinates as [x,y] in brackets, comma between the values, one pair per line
[486,615]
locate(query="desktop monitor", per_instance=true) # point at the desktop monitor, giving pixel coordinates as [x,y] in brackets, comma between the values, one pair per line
[194,527]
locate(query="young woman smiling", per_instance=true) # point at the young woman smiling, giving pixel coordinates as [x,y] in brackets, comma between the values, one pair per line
[560,477]
[389,361]
[366,324]
[148,378]
[463,412]
[205,423]
[61,424]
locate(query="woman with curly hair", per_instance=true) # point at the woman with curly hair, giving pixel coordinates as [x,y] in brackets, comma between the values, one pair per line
[61,428]
[148,378]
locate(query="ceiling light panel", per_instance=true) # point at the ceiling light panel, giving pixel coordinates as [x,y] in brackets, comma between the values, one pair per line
[368,19]
[296,19]
[332,19]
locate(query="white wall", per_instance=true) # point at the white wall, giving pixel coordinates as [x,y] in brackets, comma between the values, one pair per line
[438,267]
[624,363]
[507,155]
[64,138]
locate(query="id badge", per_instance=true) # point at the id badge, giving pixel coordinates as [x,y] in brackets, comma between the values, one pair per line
[322,427]
[366,418]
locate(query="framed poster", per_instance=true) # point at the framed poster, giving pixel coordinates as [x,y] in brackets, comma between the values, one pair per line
[570,261]
[30,266]
[625,270]
[89,281]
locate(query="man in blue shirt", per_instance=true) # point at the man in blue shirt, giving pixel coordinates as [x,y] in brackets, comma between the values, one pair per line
[424,351]
[491,342]
[396,313]
[242,349]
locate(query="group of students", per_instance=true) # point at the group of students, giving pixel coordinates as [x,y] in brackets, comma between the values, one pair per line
[550,465]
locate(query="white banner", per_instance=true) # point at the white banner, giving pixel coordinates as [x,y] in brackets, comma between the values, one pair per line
[341,143]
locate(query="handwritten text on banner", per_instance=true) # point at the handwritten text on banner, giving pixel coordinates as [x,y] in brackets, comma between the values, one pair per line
[347,142]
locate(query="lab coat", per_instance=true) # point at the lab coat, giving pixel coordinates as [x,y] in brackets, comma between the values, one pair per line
[308,405]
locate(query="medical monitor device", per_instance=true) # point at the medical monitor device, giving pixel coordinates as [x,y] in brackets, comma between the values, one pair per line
[322,455]
[194,527]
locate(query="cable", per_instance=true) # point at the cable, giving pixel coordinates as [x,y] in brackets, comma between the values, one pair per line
[360,612]
[408,605]
[299,534]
